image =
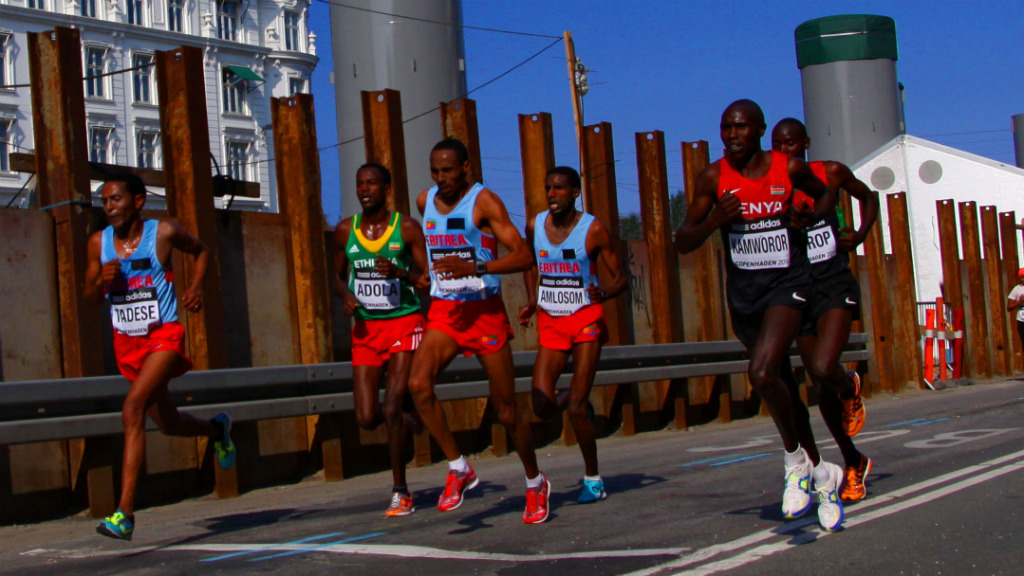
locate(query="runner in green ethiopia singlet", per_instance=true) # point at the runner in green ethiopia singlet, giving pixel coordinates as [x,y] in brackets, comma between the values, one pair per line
[379,297]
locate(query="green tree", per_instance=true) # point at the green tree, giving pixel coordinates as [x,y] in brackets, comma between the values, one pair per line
[631,227]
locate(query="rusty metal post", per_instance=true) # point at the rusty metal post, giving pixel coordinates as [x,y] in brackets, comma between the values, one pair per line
[979,361]
[909,367]
[601,198]
[703,302]
[657,229]
[1010,264]
[458,120]
[537,151]
[62,169]
[881,329]
[384,136]
[298,183]
[996,294]
[185,137]
[950,248]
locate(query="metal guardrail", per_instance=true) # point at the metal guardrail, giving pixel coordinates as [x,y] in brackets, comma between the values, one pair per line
[42,410]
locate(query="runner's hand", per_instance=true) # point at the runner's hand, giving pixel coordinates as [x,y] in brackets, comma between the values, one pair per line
[350,303]
[452,267]
[110,271]
[597,294]
[727,209]
[192,300]
[525,313]
[386,268]
[801,217]
[849,239]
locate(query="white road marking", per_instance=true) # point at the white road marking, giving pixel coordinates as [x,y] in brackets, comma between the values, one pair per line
[740,543]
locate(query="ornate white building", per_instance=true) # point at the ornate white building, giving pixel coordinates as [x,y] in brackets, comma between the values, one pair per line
[254,50]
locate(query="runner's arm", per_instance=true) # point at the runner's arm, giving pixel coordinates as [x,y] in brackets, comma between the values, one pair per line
[706,213]
[98,275]
[868,200]
[339,281]
[490,211]
[412,234]
[180,239]
[824,197]
[530,278]
[600,239]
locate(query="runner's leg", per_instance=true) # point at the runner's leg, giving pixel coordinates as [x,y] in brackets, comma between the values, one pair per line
[499,369]
[394,393]
[584,359]
[546,369]
[435,352]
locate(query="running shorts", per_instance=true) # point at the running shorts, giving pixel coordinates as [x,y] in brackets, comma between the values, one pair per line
[374,341]
[748,326]
[131,351]
[837,292]
[479,327]
[561,332]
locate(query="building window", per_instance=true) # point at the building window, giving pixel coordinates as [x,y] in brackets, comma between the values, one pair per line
[136,12]
[37,4]
[146,148]
[291,31]
[95,68]
[142,78]
[227,20]
[296,86]
[234,93]
[175,10]
[100,138]
[6,74]
[238,159]
[6,137]
[89,8]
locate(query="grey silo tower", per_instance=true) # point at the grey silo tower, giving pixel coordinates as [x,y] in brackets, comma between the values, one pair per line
[853,103]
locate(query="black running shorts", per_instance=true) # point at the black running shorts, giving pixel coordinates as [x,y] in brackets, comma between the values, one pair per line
[748,326]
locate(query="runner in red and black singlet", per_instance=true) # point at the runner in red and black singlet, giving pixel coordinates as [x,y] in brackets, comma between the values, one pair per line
[835,305]
[748,196]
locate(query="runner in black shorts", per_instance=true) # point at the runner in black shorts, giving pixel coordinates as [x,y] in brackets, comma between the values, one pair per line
[836,304]
[748,196]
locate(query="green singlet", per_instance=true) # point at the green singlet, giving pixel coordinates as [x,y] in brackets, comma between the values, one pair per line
[379,297]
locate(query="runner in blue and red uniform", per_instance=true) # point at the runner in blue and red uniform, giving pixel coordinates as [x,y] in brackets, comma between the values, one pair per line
[569,244]
[129,262]
[463,225]
[836,304]
[748,197]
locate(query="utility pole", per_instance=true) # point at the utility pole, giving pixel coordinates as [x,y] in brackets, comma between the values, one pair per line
[577,88]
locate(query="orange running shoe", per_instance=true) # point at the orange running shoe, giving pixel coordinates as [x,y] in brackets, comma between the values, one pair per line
[401,505]
[455,485]
[537,502]
[853,407]
[854,489]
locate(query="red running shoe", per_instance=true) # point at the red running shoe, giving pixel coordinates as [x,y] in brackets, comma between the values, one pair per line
[537,502]
[455,485]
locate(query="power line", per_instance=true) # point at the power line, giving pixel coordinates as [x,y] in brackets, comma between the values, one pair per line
[427,21]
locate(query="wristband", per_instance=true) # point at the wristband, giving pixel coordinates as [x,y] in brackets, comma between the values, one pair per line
[481,267]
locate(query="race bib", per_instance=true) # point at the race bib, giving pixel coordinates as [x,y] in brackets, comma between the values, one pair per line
[136,312]
[562,295]
[376,292]
[760,250]
[821,243]
[466,285]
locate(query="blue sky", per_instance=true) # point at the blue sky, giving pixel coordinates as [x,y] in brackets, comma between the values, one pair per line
[674,65]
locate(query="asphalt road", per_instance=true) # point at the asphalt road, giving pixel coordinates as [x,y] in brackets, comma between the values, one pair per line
[945,498]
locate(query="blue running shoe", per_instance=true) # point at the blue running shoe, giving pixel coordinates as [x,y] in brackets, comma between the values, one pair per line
[593,491]
[223,446]
[796,499]
[830,508]
[117,526]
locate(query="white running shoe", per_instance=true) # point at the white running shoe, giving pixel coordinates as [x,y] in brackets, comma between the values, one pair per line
[830,508]
[796,499]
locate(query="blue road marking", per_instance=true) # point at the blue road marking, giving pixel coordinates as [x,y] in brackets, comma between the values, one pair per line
[906,422]
[258,550]
[314,548]
[706,460]
[930,422]
[745,458]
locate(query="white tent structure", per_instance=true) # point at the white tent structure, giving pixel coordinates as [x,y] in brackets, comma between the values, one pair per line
[929,172]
